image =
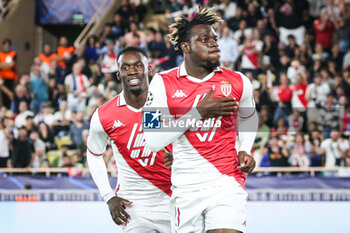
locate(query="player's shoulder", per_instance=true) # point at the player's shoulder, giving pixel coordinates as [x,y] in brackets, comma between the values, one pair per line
[233,75]
[115,101]
[172,73]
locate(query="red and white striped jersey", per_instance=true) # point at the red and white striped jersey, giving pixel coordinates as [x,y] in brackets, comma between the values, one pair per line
[142,176]
[203,154]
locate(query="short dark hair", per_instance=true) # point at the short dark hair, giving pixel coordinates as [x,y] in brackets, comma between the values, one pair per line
[182,26]
[7,40]
[132,49]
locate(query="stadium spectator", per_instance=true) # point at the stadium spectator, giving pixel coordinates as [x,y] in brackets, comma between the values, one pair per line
[324,28]
[22,154]
[131,38]
[20,119]
[295,122]
[19,95]
[45,116]
[45,134]
[46,57]
[64,52]
[250,52]
[330,115]
[289,17]
[126,11]
[30,125]
[76,129]
[277,153]
[62,119]
[109,59]
[39,89]
[39,150]
[90,50]
[299,152]
[8,71]
[229,49]
[76,85]
[5,138]
[282,95]
[299,101]
[334,149]
[342,25]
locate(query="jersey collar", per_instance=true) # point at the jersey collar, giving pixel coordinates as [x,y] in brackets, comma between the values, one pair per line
[121,101]
[181,72]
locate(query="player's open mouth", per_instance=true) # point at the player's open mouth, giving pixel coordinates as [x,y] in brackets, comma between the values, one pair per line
[134,81]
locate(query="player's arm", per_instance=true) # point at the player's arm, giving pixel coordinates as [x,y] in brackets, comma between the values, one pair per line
[96,145]
[157,139]
[207,108]
[247,123]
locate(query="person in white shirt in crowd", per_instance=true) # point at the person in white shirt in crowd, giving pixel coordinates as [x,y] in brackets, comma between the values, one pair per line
[109,64]
[20,120]
[39,149]
[46,116]
[294,69]
[4,143]
[229,49]
[76,86]
[243,32]
[316,93]
[334,149]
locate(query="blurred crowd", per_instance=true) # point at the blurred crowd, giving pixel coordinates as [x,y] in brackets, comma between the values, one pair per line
[295,52]
[3,8]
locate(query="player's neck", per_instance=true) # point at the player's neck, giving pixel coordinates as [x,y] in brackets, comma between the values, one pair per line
[196,70]
[135,100]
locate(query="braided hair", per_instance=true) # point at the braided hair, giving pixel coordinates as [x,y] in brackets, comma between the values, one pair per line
[182,26]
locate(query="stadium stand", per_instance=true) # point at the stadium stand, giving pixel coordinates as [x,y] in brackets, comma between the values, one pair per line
[296,54]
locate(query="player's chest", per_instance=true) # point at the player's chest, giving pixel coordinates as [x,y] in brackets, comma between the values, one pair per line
[184,93]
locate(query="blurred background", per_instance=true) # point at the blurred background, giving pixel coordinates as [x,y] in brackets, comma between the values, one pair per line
[295,52]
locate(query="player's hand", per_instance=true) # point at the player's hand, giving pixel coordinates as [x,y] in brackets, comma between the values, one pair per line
[116,207]
[247,162]
[214,107]
[168,158]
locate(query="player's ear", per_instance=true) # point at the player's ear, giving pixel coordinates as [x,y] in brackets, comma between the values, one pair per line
[118,75]
[185,47]
[150,71]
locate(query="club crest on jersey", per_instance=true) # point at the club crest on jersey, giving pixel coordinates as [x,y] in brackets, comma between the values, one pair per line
[117,124]
[226,88]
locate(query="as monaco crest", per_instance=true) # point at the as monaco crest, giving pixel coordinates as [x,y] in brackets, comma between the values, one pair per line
[226,88]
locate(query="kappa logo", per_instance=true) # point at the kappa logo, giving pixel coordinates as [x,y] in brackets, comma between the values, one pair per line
[179,94]
[117,124]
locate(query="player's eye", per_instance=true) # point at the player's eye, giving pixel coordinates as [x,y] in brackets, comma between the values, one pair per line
[125,68]
[138,66]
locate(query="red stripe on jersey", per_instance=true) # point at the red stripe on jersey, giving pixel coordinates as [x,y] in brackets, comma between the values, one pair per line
[218,146]
[124,127]
[94,153]
[178,216]
[248,116]
[116,191]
